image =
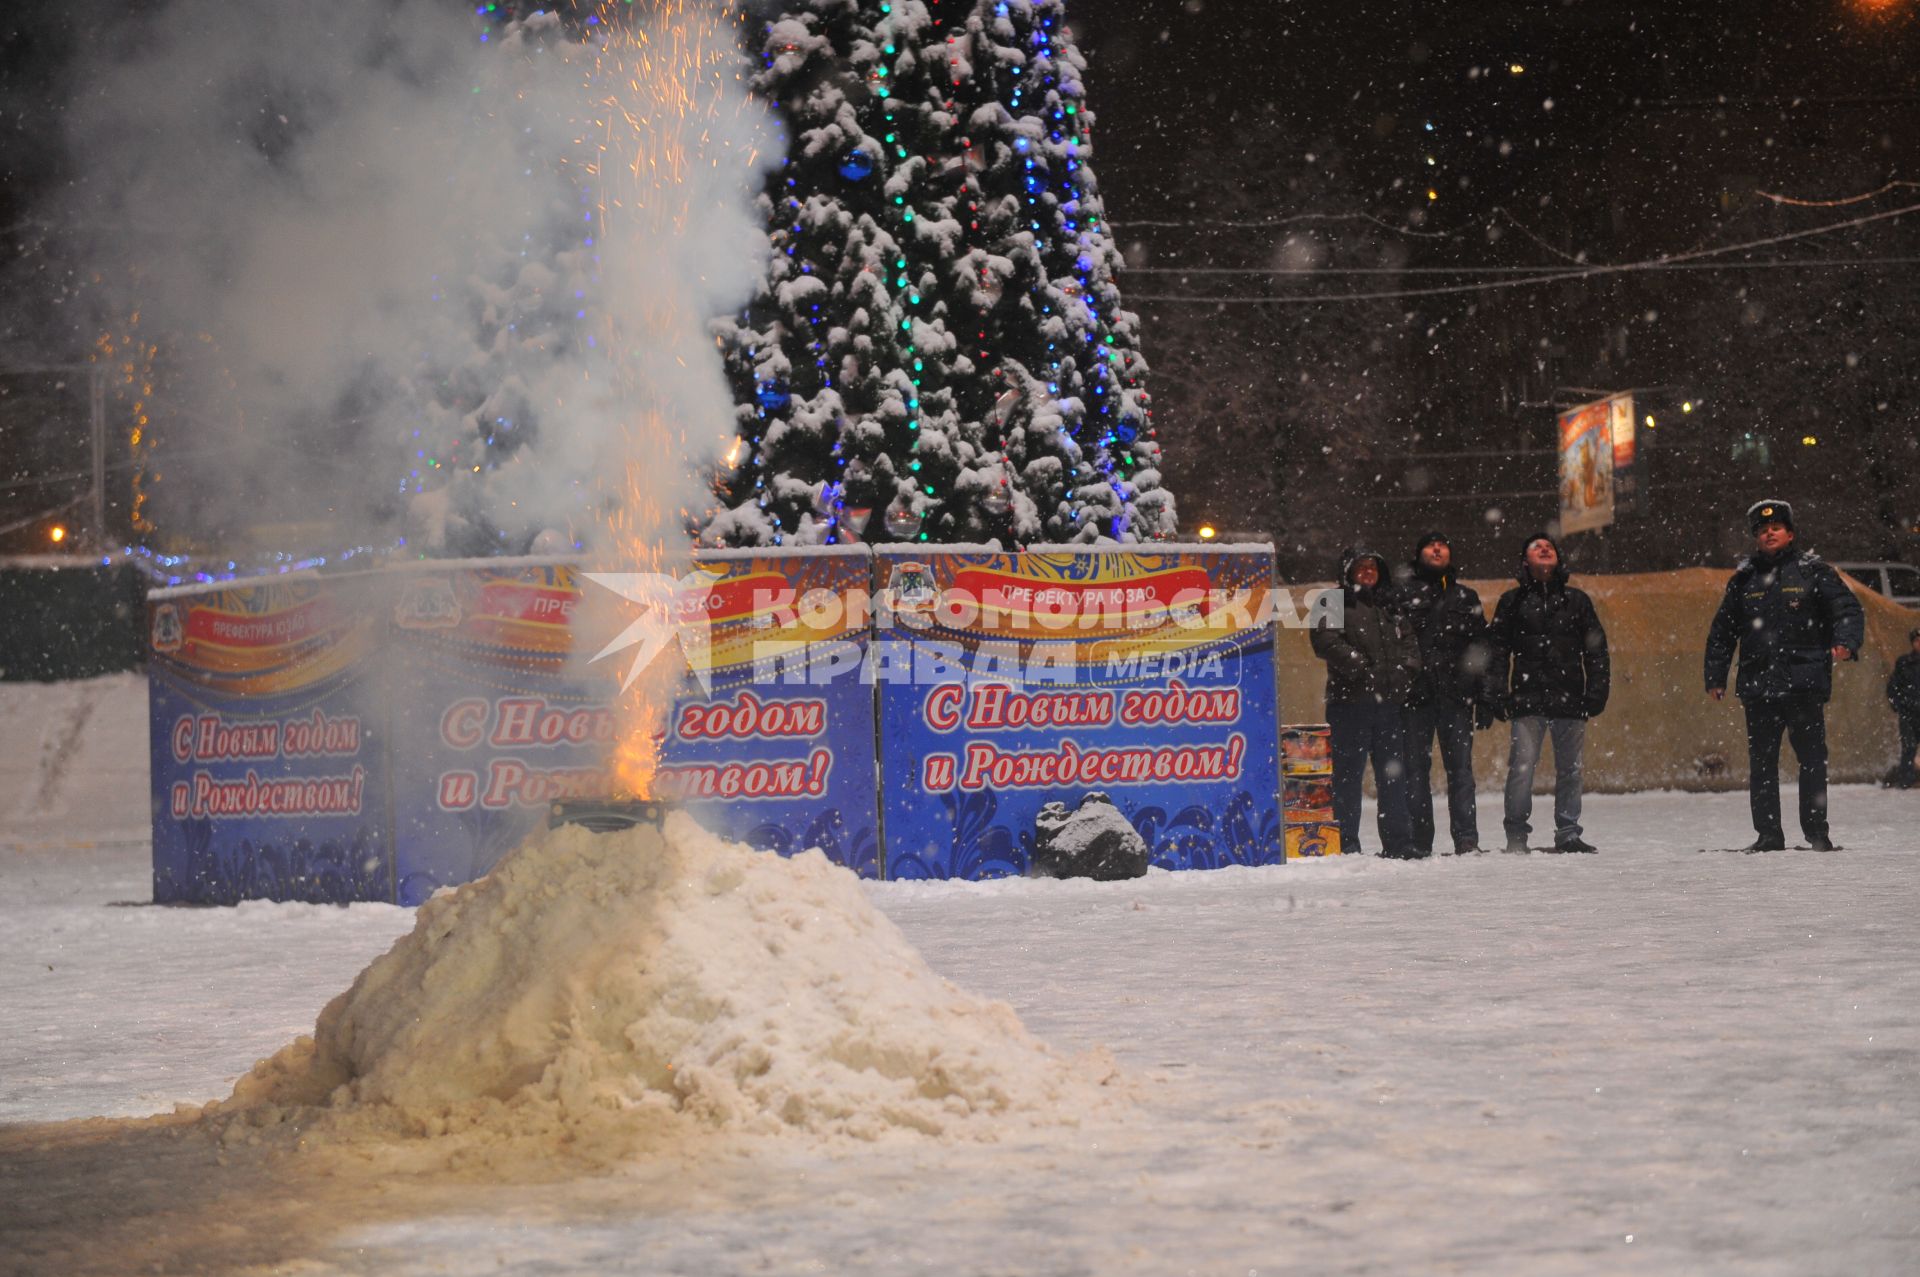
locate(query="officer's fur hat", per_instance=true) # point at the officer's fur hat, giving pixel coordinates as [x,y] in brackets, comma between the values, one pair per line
[1769,511]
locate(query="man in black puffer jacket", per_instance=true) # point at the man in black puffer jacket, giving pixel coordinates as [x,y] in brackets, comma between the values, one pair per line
[1452,628]
[1548,672]
[1792,617]
[1372,660]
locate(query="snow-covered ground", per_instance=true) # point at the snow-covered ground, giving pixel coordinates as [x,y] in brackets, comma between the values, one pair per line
[1650,1060]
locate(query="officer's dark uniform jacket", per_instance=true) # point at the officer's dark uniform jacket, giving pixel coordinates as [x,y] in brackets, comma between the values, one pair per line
[1785,614]
[1557,648]
[1451,626]
[1374,658]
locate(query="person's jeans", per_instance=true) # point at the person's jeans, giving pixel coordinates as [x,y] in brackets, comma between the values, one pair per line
[1569,738]
[1805,724]
[1909,743]
[1453,725]
[1360,732]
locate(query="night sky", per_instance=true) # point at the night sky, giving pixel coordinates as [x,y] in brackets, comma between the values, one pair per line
[1504,136]
[1367,78]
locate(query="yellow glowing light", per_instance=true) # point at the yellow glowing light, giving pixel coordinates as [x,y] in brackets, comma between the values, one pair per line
[56,534]
[1649,419]
[1432,194]
[1809,440]
[1207,532]
[1516,69]
[1687,406]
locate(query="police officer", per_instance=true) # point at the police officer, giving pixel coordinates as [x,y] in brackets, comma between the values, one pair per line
[1792,617]
[1451,624]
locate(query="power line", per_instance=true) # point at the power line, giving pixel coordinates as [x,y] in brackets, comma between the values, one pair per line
[1530,233]
[32,519]
[1851,199]
[1810,262]
[1547,276]
[1276,223]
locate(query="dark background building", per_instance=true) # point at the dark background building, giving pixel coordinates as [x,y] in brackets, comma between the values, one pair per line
[1347,221]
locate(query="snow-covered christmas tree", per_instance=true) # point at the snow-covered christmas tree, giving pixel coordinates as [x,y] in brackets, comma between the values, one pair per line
[818,360]
[1077,435]
[938,352]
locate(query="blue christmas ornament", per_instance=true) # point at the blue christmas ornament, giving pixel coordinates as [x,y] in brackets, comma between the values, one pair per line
[774,395]
[857,167]
[1125,431]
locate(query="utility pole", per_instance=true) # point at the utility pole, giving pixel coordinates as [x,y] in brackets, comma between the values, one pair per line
[97,415]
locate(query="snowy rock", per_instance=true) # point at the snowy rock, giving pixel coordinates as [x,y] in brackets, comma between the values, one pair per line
[1092,841]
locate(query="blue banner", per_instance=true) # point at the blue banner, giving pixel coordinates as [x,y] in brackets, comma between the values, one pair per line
[1012,681]
[268,751]
[492,719]
[382,735]
[777,749]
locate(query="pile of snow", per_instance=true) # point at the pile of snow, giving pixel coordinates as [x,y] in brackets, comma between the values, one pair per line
[646,982]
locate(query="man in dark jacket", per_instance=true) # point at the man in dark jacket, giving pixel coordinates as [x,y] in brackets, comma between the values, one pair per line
[1903,693]
[1792,617]
[1452,626]
[1548,672]
[1372,659]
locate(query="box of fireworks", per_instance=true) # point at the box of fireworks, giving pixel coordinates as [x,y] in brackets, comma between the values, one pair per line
[1306,749]
[1312,840]
[1309,799]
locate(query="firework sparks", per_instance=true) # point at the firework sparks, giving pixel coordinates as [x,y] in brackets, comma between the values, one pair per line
[672,81]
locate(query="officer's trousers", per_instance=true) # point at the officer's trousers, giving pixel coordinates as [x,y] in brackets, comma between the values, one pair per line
[1805,724]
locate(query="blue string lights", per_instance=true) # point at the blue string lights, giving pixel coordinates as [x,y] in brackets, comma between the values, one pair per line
[1053,80]
[978,139]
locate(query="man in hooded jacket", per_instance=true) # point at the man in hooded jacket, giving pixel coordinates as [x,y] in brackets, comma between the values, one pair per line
[1372,660]
[1791,617]
[1451,626]
[1549,674]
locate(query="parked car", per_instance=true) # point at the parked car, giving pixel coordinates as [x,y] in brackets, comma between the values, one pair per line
[1897,581]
